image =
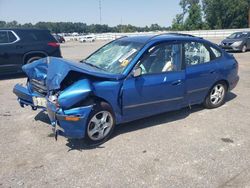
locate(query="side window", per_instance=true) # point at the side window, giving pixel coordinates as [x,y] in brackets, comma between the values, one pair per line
[161,58]
[12,37]
[216,52]
[196,53]
[3,37]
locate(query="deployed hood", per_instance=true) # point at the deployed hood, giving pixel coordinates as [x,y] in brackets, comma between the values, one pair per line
[53,70]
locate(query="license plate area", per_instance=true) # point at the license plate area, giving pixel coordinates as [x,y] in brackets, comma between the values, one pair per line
[40,101]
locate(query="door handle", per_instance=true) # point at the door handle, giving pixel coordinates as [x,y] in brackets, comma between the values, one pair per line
[19,46]
[212,71]
[176,83]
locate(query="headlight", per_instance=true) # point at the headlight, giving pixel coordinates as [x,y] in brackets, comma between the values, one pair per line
[236,44]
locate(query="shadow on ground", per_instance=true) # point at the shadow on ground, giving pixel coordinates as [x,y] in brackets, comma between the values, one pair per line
[164,118]
[12,76]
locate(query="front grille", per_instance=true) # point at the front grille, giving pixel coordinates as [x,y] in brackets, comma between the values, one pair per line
[38,86]
[228,44]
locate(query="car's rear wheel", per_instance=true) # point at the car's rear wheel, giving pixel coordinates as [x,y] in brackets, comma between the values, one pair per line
[34,58]
[244,49]
[216,96]
[100,125]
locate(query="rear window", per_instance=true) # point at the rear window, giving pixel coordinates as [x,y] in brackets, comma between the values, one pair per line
[12,37]
[33,36]
[3,37]
[216,52]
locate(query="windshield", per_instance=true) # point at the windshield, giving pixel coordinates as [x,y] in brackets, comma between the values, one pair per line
[238,35]
[115,56]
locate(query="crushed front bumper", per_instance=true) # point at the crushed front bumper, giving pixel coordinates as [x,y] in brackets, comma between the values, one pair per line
[26,97]
[69,123]
[231,48]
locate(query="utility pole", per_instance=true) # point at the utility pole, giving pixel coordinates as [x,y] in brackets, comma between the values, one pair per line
[248,5]
[249,16]
[100,9]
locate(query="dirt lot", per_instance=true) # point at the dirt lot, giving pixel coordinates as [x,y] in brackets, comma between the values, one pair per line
[185,148]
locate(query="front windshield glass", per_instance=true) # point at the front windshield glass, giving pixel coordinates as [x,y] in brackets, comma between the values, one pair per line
[115,56]
[238,35]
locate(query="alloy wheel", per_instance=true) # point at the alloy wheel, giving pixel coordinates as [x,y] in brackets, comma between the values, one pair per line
[100,125]
[217,94]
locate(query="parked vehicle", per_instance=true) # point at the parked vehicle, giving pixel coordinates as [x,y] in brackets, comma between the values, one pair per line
[59,38]
[239,41]
[87,38]
[22,46]
[128,79]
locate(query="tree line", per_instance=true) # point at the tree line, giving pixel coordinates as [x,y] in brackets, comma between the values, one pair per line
[70,27]
[212,14]
[195,15]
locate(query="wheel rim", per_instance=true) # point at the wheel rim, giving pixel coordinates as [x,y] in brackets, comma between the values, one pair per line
[100,125]
[244,49]
[32,59]
[217,94]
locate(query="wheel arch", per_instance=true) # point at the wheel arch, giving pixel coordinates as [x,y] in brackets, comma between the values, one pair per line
[222,81]
[33,54]
[98,100]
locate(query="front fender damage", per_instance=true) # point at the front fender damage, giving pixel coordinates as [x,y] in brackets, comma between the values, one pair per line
[75,93]
[70,98]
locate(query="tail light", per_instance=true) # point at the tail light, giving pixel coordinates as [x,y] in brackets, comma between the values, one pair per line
[53,44]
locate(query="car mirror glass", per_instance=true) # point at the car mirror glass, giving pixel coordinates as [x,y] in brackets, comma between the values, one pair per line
[137,72]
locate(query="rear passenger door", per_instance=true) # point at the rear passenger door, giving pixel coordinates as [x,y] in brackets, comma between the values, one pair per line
[201,70]
[8,51]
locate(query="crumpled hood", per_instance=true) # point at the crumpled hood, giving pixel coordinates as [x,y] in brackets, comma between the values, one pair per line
[53,70]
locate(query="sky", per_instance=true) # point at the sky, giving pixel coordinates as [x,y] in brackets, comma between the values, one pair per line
[114,12]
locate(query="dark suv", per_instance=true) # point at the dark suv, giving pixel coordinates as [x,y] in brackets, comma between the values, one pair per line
[22,46]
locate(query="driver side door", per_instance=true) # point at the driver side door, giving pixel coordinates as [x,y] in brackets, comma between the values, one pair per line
[161,85]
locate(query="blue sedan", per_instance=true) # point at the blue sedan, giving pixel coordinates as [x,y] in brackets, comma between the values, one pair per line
[128,79]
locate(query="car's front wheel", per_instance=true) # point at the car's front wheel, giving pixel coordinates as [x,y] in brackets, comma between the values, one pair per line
[244,49]
[100,125]
[216,96]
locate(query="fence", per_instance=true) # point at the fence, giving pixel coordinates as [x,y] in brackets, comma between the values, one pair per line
[200,33]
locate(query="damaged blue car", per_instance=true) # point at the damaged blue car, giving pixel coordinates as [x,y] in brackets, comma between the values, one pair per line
[127,79]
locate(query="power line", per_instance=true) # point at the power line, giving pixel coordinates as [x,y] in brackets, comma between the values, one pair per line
[100,11]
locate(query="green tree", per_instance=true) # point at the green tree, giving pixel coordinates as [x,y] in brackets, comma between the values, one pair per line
[191,16]
[225,14]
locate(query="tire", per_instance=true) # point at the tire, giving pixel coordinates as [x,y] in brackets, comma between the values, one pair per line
[98,130]
[244,49]
[216,96]
[31,59]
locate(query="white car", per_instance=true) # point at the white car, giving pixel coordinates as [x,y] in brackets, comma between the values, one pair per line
[87,39]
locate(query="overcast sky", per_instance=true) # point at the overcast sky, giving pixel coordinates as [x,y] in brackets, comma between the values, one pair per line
[114,12]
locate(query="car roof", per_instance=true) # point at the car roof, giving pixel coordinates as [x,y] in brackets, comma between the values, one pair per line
[156,38]
[22,29]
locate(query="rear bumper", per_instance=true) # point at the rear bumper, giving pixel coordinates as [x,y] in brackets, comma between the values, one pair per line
[234,83]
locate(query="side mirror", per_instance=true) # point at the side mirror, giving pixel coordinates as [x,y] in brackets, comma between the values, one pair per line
[137,72]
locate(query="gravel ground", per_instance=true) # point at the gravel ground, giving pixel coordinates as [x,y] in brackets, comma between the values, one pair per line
[185,148]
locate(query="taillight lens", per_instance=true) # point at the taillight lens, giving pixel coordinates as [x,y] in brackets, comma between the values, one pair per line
[53,44]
